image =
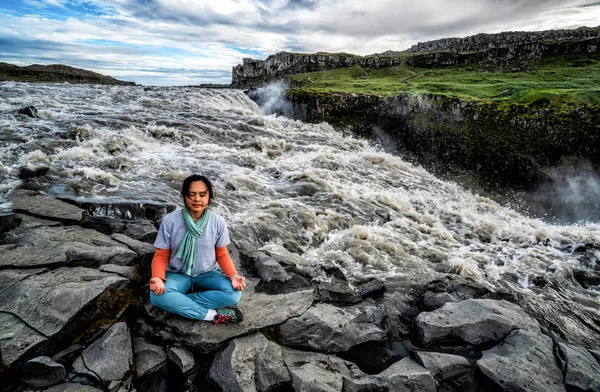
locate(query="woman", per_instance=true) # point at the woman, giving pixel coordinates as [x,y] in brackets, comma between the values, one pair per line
[192,273]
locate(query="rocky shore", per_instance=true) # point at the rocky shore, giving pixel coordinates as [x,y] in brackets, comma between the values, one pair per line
[76,317]
[55,73]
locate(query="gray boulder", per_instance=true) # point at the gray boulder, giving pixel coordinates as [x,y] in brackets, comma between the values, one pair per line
[8,277]
[405,375]
[57,246]
[581,369]
[260,311]
[251,363]
[408,375]
[109,358]
[36,204]
[472,321]
[143,249]
[523,362]
[121,270]
[40,306]
[141,230]
[445,367]
[315,372]
[42,372]
[149,357]
[330,329]
[340,292]
[183,358]
[269,269]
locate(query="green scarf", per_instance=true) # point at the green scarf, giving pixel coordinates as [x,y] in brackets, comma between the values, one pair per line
[187,249]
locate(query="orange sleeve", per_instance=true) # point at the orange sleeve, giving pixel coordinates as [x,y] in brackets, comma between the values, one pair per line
[225,261]
[160,262]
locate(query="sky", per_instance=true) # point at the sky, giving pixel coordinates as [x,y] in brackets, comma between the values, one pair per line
[188,42]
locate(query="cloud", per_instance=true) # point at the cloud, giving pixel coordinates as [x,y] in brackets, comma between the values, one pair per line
[205,38]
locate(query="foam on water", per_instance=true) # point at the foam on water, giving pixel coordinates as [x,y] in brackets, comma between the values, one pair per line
[308,192]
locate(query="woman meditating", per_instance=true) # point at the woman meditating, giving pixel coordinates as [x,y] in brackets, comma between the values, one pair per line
[192,273]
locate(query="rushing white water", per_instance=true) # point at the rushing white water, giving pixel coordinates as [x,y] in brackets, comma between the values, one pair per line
[303,191]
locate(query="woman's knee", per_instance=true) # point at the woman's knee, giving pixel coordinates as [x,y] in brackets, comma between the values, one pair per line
[235,297]
[157,300]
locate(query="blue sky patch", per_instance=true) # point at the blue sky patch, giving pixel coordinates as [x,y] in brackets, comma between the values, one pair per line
[247,51]
[69,9]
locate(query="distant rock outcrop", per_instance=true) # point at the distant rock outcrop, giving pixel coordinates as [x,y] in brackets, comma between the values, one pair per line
[502,50]
[55,73]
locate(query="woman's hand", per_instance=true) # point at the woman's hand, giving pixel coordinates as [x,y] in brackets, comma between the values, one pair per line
[157,286]
[238,282]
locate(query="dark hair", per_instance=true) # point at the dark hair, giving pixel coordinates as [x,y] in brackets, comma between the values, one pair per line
[185,188]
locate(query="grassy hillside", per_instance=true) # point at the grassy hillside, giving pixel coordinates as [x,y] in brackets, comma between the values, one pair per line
[550,81]
[55,73]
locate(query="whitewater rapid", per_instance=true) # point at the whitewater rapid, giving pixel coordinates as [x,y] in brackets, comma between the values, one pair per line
[308,193]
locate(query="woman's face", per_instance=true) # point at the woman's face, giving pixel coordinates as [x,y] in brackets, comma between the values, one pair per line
[197,198]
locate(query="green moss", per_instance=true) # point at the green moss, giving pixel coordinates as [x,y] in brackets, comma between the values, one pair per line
[557,81]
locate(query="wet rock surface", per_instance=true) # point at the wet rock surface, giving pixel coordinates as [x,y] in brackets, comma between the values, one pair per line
[473,321]
[75,316]
[581,369]
[524,361]
[330,329]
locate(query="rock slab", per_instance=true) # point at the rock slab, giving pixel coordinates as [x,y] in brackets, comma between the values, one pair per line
[252,363]
[582,371]
[523,362]
[331,329]
[109,358]
[472,321]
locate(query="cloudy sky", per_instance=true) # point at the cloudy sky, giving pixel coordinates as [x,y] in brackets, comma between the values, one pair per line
[182,42]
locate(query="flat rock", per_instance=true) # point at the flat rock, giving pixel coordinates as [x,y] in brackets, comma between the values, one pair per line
[36,204]
[141,230]
[57,246]
[28,222]
[110,358]
[9,277]
[144,250]
[42,372]
[41,305]
[472,321]
[331,329]
[16,338]
[581,369]
[524,361]
[444,366]
[149,357]
[260,311]
[251,363]
[183,358]
[121,270]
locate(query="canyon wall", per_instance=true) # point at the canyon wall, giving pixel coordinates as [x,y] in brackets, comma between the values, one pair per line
[505,145]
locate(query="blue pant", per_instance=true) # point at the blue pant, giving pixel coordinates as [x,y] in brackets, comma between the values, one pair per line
[192,297]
